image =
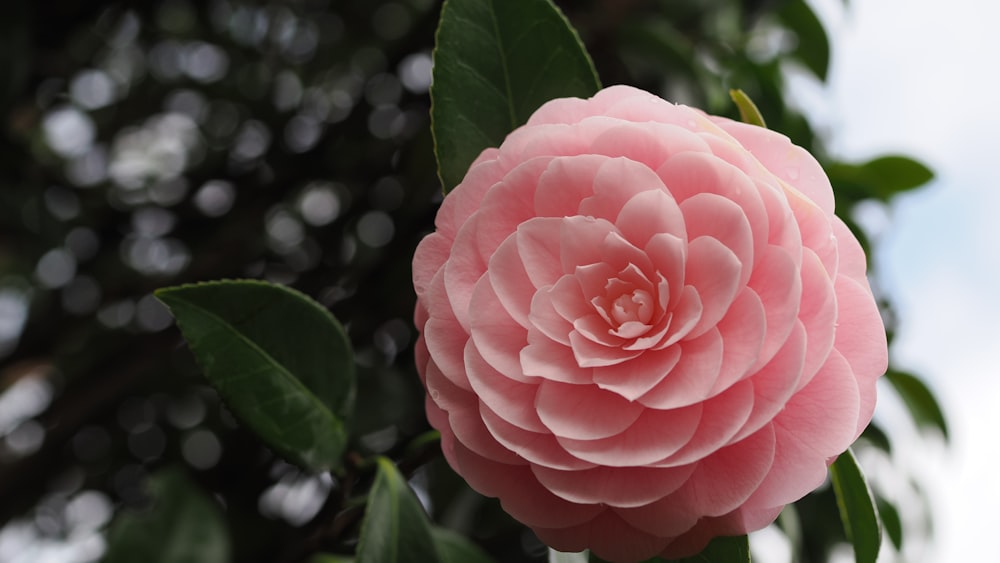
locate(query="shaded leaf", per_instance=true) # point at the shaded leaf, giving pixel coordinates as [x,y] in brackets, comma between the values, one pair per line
[330,558]
[881,178]
[858,512]
[281,361]
[722,550]
[890,521]
[456,548]
[395,527]
[183,525]
[813,47]
[496,62]
[919,399]
[748,110]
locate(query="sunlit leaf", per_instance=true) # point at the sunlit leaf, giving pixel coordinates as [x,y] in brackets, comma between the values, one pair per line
[280,360]
[748,110]
[496,62]
[396,528]
[183,525]
[920,401]
[857,507]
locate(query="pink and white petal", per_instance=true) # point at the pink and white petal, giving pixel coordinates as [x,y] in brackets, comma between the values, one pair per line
[581,241]
[596,328]
[668,254]
[688,174]
[590,354]
[498,337]
[545,318]
[824,413]
[464,268]
[429,257]
[776,382]
[783,230]
[666,517]
[714,271]
[647,214]
[470,431]
[513,399]
[860,334]
[693,378]
[816,231]
[722,417]
[621,487]
[538,448]
[568,299]
[547,140]
[572,110]
[818,314]
[507,205]
[711,215]
[445,341]
[684,316]
[565,183]
[616,182]
[725,480]
[743,330]
[861,340]
[520,493]
[778,283]
[583,412]
[446,394]
[634,378]
[791,163]
[852,261]
[649,143]
[644,442]
[544,358]
[620,254]
[608,537]
[538,245]
[510,281]
[466,198]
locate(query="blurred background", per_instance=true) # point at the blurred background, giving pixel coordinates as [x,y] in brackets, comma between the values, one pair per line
[147,144]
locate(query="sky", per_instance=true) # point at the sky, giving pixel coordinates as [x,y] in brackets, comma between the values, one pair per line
[917,77]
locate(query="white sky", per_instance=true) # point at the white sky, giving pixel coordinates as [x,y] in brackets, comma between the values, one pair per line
[919,77]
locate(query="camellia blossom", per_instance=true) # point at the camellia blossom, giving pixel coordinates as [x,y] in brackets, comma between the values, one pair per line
[643,327]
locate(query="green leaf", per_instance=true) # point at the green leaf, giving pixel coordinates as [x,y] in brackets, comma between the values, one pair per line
[857,507]
[495,63]
[456,548]
[748,110]
[725,549]
[330,558]
[920,401]
[183,525]
[813,44]
[280,360]
[890,521]
[881,178]
[395,528]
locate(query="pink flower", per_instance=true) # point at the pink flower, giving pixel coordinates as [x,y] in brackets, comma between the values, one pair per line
[644,327]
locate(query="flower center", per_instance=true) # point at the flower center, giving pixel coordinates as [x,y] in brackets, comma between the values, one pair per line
[636,306]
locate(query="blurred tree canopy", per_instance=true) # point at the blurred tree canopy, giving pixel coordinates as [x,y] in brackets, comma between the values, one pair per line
[148,144]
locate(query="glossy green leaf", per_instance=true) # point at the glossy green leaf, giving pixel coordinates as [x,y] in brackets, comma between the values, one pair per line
[183,525]
[330,558]
[395,528]
[920,401]
[496,62]
[722,550]
[813,47]
[748,110]
[280,360]
[456,548]
[858,512]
